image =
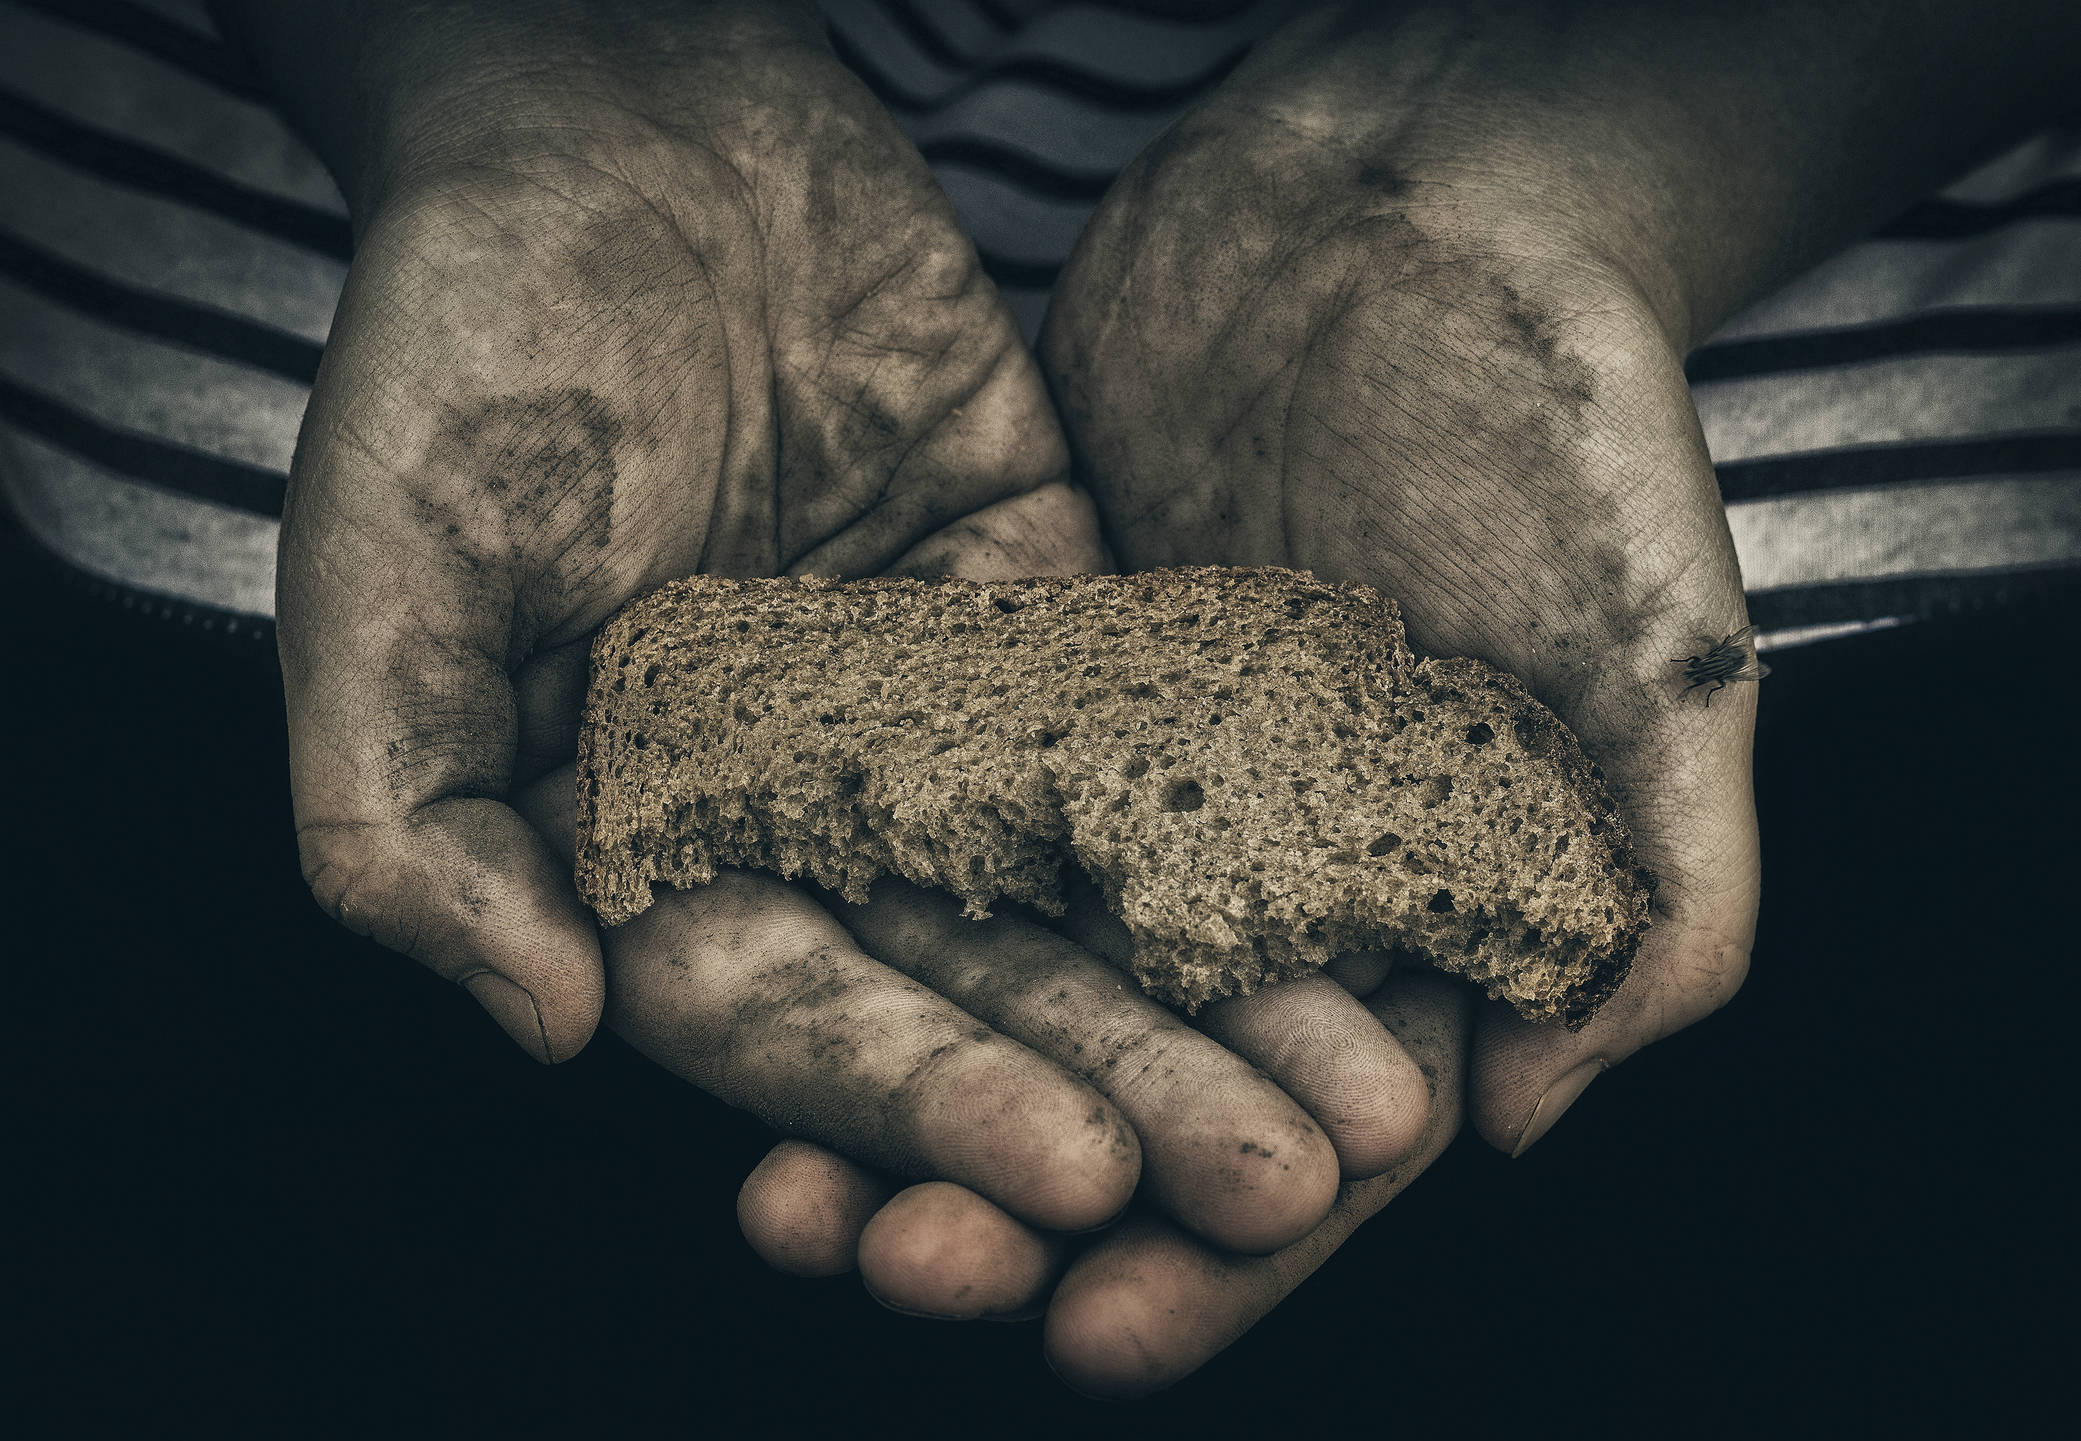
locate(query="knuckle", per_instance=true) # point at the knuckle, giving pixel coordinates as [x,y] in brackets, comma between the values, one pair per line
[350,886]
[335,867]
[1708,979]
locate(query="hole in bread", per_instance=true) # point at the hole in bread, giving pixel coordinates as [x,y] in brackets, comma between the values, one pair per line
[1006,604]
[1384,844]
[1434,791]
[1479,734]
[1184,795]
[1441,903]
[650,677]
[1137,768]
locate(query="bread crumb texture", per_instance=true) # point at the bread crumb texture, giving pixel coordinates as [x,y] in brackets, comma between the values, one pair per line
[1250,763]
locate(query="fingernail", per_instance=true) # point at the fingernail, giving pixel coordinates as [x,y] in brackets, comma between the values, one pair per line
[1071,1386]
[1106,1224]
[1023,1313]
[886,1304]
[514,1009]
[1558,1098]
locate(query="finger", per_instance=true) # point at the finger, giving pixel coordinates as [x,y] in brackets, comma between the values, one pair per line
[940,1250]
[908,395]
[1691,804]
[803,1208]
[1049,531]
[750,990]
[1224,1150]
[1318,1043]
[1360,972]
[402,730]
[549,692]
[1147,1305]
[1328,1052]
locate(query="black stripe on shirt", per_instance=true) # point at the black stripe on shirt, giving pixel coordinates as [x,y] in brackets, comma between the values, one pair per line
[1000,15]
[1941,219]
[200,327]
[1966,330]
[216,625]
[937,46]
[162,463]
[1018,168]
[926,38]
[1060,79]
[1866,466]
[1922,596]
[158,172]
[168,41]
[1012,274]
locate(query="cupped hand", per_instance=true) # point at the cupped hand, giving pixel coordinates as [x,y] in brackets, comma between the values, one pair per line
[1141,1305]
[1349,316]
[1001,1061]
[700,311]
[1355,318]
[720,319]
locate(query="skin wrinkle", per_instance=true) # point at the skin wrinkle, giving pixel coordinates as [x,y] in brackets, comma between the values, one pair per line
[616,388]
[1484,421]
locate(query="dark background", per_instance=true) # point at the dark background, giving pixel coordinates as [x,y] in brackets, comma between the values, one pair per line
[265,1177]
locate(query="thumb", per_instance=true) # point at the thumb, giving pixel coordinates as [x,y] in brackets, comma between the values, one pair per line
[402,734]
[1687,789]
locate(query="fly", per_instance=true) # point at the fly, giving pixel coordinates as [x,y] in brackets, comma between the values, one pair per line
[1734,658]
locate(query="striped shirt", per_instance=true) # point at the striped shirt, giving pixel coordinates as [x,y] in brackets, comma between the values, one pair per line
[1897,433]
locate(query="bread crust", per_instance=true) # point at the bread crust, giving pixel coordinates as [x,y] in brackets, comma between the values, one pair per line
[979,736]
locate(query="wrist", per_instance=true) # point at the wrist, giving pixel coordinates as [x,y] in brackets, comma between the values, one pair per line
[1428,133]
[1704,152]
[392,91]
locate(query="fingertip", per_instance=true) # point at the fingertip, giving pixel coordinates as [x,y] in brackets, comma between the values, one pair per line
[468,889]
[1117,1331]
[1385,1122]
[1331,1054]
[938,1249]
[1525,1075]
[1272,1193]
[803,1209]
[1360,972]
[515,1012]
[1083,1169]
[1018,1129]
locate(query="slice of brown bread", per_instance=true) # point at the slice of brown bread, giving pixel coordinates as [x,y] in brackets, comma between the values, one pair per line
[1251,763]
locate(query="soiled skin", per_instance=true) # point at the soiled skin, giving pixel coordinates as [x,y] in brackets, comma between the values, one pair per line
[646,288]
